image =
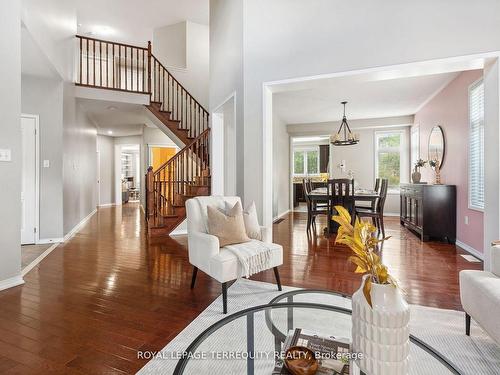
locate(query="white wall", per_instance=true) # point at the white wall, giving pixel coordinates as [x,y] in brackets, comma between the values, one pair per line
[360,159]
[326,128]
[184,50]
[79,162]
[169,45]
[10,138]
[491,219]
[106,150]
[290,40]
[44,97]
[226,67]
[281,167]
[53,24]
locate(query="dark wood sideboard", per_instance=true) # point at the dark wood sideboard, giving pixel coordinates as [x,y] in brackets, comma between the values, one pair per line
[430,210]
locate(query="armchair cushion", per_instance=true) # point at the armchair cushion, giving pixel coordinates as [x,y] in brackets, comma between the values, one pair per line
[225,265]
[228,227]
[251,220]
[480,296]
[495,260]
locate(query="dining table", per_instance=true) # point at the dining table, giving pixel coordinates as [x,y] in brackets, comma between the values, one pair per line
[320,195]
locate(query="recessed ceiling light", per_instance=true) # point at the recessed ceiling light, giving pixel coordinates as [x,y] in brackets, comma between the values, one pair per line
[111,108]
[110,132]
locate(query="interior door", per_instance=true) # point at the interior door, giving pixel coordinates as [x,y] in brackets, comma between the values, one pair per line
[28,185]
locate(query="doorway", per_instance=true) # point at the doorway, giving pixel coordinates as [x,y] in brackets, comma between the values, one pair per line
[29,179]
[127,173]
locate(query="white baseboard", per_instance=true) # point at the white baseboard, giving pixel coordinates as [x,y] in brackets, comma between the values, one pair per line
[106,205]
[392,214]
[30,266]
[75,229]
[44,241]
[11,282]
[469,249]
[280,215]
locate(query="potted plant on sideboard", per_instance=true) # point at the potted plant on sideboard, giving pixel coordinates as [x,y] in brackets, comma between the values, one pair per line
[416,176]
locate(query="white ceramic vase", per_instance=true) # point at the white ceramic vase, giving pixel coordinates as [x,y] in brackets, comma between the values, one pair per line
[381,332]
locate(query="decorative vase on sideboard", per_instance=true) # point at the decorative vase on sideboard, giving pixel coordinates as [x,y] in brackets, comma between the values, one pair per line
[381,331]
[416,176]
[437,176]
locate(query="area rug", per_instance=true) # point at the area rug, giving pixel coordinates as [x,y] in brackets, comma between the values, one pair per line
[442,329]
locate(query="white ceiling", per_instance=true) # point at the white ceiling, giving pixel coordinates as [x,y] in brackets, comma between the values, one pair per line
[122,119]
[133,21]
[33,61]
[368,97]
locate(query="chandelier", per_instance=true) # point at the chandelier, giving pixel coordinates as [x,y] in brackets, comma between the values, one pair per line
[344,136]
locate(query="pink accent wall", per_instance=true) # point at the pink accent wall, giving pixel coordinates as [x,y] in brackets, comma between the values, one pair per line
[450,109]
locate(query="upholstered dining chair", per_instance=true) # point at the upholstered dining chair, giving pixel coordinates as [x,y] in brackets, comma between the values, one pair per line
[205,253]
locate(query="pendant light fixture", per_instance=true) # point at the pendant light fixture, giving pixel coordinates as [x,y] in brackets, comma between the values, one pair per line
[344,136]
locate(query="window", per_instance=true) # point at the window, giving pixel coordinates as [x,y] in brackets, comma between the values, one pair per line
[415,145]
[476,146]
[388,146]
[306,161]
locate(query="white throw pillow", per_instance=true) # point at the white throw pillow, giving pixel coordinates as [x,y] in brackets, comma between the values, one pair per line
[251,220]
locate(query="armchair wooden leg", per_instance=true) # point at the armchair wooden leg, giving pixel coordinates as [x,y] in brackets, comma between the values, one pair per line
[193,279]
[277,276]
[467,324]
[224,298]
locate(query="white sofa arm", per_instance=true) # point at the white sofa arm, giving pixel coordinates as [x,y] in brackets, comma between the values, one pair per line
[495,259]
[202,247]
[266,234]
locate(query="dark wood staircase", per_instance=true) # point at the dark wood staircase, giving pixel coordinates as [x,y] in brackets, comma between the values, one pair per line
[123,67]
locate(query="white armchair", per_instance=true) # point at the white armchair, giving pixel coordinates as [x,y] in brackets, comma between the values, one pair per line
[480,296]
[204,251]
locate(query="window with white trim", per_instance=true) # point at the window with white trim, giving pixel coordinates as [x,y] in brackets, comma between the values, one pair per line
[306,161]
[476,145]
[388,150]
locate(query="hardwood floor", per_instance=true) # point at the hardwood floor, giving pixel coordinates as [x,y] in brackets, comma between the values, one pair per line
[109,291]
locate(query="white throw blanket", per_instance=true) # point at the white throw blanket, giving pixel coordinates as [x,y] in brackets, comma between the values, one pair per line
[254,256]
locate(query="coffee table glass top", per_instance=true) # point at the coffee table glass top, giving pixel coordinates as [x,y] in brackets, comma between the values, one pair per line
[249,341]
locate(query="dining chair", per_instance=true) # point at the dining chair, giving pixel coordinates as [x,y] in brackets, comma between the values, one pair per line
[377,189]
[364,204]
[376,214]
[312,209]
[340,193]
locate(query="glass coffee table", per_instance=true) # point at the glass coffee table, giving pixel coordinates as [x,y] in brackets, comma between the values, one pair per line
[249,341]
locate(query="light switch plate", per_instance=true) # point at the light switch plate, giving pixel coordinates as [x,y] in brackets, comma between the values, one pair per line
[46,163]
[5,154]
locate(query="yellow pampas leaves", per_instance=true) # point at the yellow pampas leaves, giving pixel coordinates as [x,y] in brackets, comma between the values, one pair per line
[361,240]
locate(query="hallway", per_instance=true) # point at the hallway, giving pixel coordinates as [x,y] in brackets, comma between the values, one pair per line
[109,291]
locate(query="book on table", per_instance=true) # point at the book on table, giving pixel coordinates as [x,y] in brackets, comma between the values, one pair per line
[332,352]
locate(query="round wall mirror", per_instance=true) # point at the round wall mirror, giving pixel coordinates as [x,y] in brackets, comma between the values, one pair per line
[436,145]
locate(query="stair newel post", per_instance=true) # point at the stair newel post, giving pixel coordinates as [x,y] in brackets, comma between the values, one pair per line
[149,67]
[150,193]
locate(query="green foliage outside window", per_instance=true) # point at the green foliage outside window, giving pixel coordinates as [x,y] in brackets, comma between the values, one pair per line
[388,167]
[305,162]
[389,158]
[298,162]
[312,162]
